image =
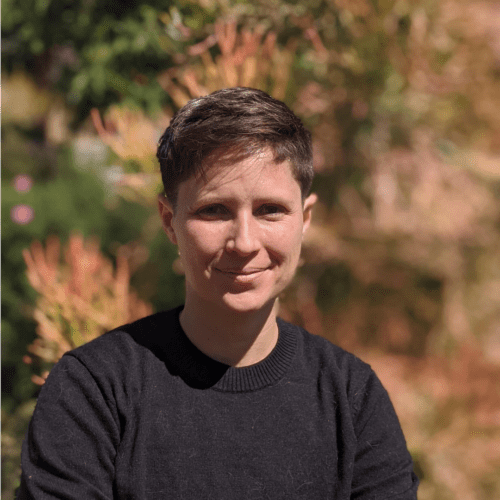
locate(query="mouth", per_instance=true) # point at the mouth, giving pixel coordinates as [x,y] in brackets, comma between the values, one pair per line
[244,272]
[242,275]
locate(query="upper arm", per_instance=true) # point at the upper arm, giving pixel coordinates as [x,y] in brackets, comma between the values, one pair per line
[383,466]
[71,443]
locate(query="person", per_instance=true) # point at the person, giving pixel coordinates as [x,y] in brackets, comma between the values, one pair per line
[220,398]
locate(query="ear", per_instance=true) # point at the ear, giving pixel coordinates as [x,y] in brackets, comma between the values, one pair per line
[167,215]
[307,212]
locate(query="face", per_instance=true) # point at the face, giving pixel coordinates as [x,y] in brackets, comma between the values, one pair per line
[239,232]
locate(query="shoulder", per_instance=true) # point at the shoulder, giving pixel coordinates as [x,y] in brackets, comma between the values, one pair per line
[124,355]
[142,334]
[317,349]
[333,365]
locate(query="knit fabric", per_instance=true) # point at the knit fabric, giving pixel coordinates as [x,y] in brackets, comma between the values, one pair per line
[141,413]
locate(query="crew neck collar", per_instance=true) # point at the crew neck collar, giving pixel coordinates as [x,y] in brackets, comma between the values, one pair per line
[199,370]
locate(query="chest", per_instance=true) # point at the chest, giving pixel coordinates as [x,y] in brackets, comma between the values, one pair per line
[281,442]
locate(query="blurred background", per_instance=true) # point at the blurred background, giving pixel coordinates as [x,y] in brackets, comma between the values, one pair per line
[402,263]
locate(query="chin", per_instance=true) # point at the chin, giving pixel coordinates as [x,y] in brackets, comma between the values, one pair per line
[246,303]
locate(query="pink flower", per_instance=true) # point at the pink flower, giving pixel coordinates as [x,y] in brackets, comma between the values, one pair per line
[22,214]
[23,183]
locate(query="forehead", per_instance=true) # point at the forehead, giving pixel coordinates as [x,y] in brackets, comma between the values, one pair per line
[255,174]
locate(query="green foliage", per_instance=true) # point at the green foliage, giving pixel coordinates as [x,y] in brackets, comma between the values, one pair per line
[13,429]
[401,99]
[155,280]
[70,200]
[334,286]
[101,51]
[66,203]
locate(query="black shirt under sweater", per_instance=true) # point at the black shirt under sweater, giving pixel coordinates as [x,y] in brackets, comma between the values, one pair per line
[141,413]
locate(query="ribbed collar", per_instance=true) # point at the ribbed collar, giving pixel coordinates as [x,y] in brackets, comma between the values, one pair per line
[199,370]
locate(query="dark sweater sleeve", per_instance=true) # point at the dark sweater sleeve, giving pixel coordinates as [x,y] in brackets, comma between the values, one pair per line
[71,443]
[383,467]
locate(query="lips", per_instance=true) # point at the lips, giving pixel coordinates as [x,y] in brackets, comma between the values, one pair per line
[242,272]
[242,275]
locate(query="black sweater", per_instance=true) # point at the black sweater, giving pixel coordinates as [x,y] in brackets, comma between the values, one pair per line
[141,413]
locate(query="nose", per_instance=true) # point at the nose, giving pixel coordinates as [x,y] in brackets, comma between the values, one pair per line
[244,236]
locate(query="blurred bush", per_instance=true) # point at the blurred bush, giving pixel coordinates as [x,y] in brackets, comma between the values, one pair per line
[102,51]
[401,264]
[79,301]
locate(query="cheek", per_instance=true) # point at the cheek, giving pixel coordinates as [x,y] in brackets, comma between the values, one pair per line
[285,242]
[200,242]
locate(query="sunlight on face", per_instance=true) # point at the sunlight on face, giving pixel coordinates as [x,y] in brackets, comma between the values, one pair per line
[239,232]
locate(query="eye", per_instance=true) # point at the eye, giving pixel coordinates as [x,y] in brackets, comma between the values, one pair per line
[215,211]
[271,211]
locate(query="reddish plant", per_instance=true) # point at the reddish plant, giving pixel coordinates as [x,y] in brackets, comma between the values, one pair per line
[79,299]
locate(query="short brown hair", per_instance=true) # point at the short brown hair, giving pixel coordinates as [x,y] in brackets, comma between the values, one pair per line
[236,122]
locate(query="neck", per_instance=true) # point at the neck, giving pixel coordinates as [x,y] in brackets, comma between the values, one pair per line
[234,338]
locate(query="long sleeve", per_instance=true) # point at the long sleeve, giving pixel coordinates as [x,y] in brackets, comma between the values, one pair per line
[383,468]
[71,443]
